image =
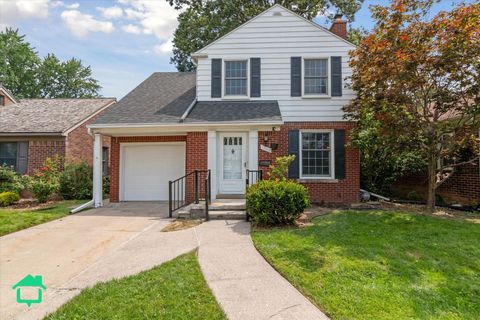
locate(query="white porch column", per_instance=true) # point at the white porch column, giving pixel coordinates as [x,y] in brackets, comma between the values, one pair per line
[97,171]
[253,150]
[212,161]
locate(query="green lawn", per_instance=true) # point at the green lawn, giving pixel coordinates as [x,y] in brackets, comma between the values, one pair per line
[12,220]
[381,265]
[173,290]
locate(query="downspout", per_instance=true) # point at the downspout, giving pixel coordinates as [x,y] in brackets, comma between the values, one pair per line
[90,203]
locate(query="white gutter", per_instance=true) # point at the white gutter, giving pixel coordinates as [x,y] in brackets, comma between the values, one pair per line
[175,124]
[189,109]
[83,206]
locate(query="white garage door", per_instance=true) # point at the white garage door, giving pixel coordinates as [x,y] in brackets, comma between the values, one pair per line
[147,168]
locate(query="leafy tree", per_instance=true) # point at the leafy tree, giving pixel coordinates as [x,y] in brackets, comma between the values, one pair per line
[18,64]
[382,162]
[26,75]
[420,79]
[69,79]
[355,35]
[204,21]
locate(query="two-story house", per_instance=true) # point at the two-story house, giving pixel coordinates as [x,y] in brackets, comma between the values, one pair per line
[273,86]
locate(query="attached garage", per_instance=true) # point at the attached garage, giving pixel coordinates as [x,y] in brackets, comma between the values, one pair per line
[146,168]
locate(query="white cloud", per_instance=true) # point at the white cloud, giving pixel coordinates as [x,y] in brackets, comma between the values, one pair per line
[111,12]
[164,48]
[55,4]
[15,10]
[131,28]
[75,5]
[81,24]
[156,17]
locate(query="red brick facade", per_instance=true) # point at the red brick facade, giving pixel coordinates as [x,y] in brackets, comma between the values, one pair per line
[197,159]
[79,143]
[41,149]
[336,191]
[462,187]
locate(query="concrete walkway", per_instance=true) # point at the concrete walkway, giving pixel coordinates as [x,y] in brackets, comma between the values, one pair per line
[78,251]
[245,285]
[81,250]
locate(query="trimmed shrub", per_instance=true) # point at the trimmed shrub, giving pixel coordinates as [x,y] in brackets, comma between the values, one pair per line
[42,190]
[10,180]
[76,181]
[272,202]
[8,198]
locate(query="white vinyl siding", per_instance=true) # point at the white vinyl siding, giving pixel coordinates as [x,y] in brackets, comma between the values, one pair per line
[275,39]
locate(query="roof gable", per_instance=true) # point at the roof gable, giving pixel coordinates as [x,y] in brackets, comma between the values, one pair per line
[276,13]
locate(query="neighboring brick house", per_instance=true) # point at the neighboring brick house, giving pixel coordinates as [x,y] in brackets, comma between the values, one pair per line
[32,130]
[274,86]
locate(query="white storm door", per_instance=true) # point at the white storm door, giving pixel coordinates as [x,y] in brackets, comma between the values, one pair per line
[232,162]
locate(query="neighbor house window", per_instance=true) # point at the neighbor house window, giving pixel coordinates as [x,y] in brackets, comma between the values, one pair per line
[2,100]
[315,76]
[105,161]
[316,154]
[8,154]
[235,78]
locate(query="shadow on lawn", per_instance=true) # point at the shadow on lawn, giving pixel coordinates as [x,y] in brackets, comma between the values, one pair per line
[430,265]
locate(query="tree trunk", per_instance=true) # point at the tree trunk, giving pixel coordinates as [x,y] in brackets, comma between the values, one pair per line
[432,181]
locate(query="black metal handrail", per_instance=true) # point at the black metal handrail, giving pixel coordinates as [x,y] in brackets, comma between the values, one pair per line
[180,189]
[208,195]
[253,176]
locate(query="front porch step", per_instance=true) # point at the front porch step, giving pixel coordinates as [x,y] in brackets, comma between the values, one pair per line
[227,215]
[230,205]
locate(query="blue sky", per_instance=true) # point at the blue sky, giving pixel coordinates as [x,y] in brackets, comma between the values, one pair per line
[124,41]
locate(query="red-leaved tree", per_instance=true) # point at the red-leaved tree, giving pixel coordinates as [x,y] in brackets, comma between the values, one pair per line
[420,78]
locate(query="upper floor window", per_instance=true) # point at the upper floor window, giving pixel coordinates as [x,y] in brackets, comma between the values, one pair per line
[235,78]
[315,76]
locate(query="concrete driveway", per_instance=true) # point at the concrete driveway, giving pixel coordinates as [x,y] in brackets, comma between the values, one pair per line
[80,250]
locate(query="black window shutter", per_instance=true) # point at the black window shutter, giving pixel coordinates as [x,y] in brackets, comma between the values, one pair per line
[339,141]
[255,88]
[22,157]
[336,75]
[216,78]
[296,76]
[294,148]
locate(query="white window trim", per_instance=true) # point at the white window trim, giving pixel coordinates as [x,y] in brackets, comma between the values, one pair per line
[224,67]
[332,155]
[316,96]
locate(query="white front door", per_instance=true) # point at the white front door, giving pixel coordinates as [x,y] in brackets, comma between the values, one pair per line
[232,151]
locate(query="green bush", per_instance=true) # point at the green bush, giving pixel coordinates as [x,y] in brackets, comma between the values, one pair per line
[10,180]
[106,185]
[274,202]
[8,198]
[76,181]
[45,182]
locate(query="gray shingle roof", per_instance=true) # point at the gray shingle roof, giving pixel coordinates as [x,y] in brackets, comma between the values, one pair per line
[47,115]
[162,97]
[232,111]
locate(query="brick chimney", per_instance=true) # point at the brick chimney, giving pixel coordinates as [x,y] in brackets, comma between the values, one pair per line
[339,26]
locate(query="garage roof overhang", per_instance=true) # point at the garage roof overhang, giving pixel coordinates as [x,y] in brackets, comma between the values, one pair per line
[155,129]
